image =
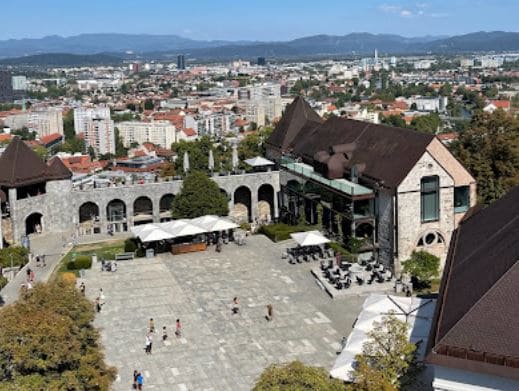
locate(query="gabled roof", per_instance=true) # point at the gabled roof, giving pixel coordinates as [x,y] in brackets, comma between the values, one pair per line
[296,115]
[477,320]
[386,153]
[21,166]
[57,170]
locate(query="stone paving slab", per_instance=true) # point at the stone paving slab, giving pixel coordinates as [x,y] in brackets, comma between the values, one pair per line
[218,350]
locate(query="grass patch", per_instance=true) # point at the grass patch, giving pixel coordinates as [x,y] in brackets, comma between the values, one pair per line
[106,250]
[280,232]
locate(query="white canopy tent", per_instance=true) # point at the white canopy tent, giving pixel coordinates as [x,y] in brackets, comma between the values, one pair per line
[155,235]
[214,223]
[183,227]
[310,238]
[416,312]
[259,161]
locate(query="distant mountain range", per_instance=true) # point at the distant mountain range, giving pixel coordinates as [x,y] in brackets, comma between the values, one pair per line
[167,46]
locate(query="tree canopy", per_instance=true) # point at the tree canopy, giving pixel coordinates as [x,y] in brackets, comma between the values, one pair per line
[423,266]
[386,357]
[198,152]
[47,341]
[199,196]
[296,376]
[489,149]
[426,123]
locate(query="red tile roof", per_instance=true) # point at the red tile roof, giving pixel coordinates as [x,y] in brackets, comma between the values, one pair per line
[501,103]
[49,139]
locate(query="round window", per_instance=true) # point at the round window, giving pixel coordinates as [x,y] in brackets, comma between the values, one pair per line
[430,238]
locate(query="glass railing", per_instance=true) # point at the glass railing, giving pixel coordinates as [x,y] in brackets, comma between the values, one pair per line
[307,171]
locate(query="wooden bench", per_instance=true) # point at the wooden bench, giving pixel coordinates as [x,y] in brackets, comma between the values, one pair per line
[124,257]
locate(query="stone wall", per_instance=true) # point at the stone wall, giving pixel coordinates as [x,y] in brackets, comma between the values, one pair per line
[60,205]
[409,225]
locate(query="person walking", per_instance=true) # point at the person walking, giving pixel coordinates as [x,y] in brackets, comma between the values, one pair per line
[178,328]
[82,288]
[151,325]
[164,333]
[235,306]
[135,374]
[98,304]
[28,274]
[140,381]
[147,349]
[270,312]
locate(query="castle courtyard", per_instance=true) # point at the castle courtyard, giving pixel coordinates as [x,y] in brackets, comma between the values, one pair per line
[217,350]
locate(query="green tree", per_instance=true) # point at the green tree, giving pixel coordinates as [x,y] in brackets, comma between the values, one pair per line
[198,152]
[25,134]
[18,255]
[445,89]
[148,104]
[73,145]
[386,357]
[394,120]
[68,125]
[120,149]
[489,149]
[47,341]
[91,152]
[199,196]
[426,123]
[423,266]
[296,376]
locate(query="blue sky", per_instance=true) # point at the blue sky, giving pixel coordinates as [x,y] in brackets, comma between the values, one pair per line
[254,19]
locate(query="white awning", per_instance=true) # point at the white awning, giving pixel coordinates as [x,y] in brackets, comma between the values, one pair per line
[155,235]
[214,223]
[416,312]
[310,238]
[259,161]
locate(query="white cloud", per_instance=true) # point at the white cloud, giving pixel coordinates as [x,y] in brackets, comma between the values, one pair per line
[390,9]
[439,15]
[406,14]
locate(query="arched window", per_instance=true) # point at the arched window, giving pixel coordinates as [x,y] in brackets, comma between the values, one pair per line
[430,198]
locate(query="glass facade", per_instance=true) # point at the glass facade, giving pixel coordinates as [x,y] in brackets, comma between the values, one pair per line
[430,198]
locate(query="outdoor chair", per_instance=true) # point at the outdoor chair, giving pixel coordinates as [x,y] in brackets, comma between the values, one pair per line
[291,259]
[360,281]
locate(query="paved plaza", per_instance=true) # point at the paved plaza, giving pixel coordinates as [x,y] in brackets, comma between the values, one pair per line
[218,350]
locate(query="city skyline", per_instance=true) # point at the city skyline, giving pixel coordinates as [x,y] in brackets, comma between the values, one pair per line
[228,21]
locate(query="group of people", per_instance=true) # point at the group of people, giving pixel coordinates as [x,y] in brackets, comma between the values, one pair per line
[138,380]
[235,309]
[151,330]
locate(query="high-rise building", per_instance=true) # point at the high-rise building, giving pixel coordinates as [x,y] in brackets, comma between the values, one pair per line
[19,83]
[44,122]
[97,128]
[261,61]
[6,86]
[376,57]
[157,132]
[181,62]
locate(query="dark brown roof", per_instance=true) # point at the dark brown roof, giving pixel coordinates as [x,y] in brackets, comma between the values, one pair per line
[386,153]
[20,165]
[57,170]
[478,311]
[296,115]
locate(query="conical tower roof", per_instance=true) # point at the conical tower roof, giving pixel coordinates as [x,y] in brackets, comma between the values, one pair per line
[57,170]
[297,115]
[21,166]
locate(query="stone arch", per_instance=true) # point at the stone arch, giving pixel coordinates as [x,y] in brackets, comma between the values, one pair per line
[88,211]
[364,230]
[432,241]
[142,210]
[165,206]
[89,218]
[34,223]
[266,202]
[116,215]
[242,208]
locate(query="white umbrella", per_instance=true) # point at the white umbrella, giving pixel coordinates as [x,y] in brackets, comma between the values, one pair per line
[186,162]
[139,229]
[235,160]
[211,160]
[155,235]
[214,223]
[310,238]
[259,161]
[179,228]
